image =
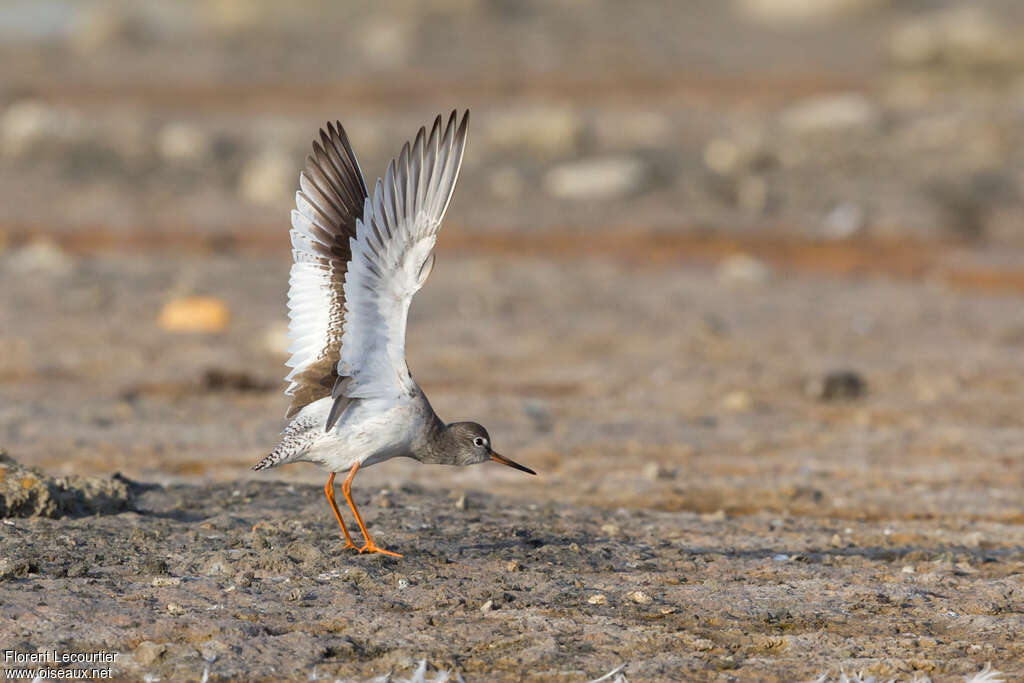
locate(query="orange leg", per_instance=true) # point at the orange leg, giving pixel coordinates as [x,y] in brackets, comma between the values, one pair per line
[370,546]
[329,491]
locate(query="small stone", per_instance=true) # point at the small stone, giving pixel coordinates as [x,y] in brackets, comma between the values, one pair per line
[610,529]
[654,471]
[244,579]
[41,257]
[716,516]
[513,566]
[640,598]
[182,143]
[830,113]
[506,183]
[907,569]
[460,503]
[269,179]
[596,178]
[837,541]
[843,221]
[597,600]
[275,338]
[702,644]
[737,402]
[295,595]
[403,583]
[195,314]
[786,13]
[164,581]
[175,608]
[539,130]
[487,606]
[147,652]
[743,270]
[837,385]
[12,568]
[23,124]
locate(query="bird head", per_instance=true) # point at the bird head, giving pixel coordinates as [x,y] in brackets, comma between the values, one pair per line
[473,445]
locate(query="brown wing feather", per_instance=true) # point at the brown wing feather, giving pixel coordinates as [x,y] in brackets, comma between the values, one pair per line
[332,195]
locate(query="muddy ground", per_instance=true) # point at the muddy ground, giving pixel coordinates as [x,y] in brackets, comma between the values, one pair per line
[742,281]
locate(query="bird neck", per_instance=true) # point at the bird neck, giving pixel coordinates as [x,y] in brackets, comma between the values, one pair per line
[437,442]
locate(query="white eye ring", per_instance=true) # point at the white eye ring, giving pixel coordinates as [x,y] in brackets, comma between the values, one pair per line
[479,441]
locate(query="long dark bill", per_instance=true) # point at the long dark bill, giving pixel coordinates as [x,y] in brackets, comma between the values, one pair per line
[496,457]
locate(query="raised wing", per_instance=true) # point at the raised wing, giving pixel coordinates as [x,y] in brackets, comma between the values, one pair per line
[392,255]
[331,198]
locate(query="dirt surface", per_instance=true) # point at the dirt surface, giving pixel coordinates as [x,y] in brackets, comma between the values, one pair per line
[741,280]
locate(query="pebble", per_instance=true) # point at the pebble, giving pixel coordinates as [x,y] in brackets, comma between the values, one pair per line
[539,130]
[403,583]
[785,13]
[836,541]
[487,606]
[610,529]
[596,178]
[743,270]
[844,221]
[270,178]
[513,566]
[597,600]
[165,581]
[640,598]
[41,257]
[182,143]
[837,385]
[737,402]
[24,123]
[147,652]
[195,314]
[830,113]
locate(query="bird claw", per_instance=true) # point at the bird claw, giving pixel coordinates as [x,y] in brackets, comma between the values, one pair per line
[371,548]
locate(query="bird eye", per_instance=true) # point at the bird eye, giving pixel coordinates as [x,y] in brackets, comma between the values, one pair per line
[479,441]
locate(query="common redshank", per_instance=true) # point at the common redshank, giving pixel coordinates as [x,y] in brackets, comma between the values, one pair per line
[357,264]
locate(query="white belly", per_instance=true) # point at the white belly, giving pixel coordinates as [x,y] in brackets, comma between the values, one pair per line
[371,431]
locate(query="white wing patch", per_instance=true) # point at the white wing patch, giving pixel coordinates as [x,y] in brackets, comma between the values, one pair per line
[392,255]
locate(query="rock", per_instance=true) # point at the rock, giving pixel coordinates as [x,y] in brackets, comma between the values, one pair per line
[830,114]
[964,36]
[844,221]
[743,270]
[596,178]
[506,182]
[182,143]
[275,338]
[100,25]
[640,598]
[513,566]
[597,600]
[304,553]
[797,12]
[148,653]
[386,41]
[195,314]
[166,581]
[269,179]
[13,568]
[24,123]
[41,257]
[654,471]
[487,606]
[539,130]
[837,385]
[26,492]
[611,529]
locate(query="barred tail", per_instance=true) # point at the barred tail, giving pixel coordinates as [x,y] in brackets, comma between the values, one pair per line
[297,438]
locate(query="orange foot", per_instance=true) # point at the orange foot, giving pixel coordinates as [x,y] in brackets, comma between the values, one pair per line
[372,548]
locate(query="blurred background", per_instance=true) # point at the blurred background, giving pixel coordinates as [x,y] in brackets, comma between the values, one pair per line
[706,255]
